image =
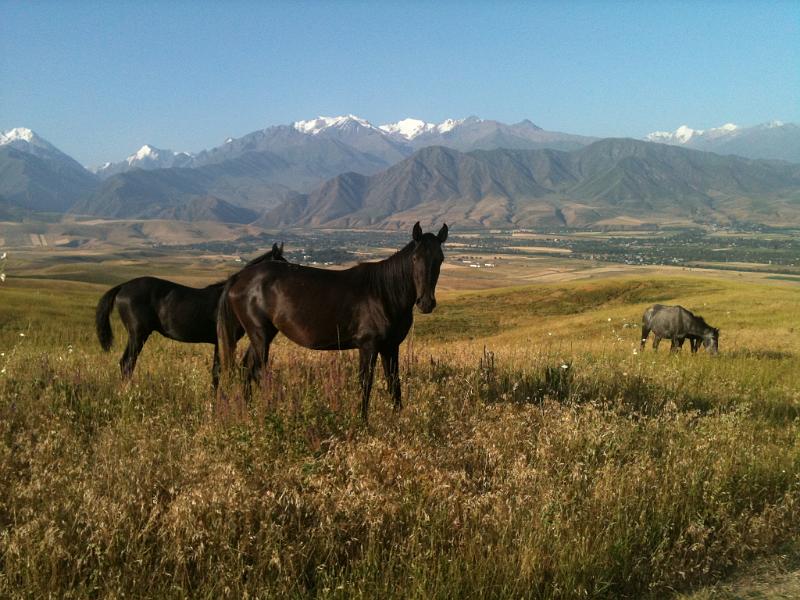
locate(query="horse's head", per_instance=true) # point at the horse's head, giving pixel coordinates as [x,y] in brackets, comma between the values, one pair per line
[711,340]
[426,260]
[277,253]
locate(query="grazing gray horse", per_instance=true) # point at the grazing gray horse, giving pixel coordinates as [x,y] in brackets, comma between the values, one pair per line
[678,324]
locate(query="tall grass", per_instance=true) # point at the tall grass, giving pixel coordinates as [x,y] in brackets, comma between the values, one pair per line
[523,465]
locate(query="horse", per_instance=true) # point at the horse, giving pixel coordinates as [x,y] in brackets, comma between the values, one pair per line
[678,324]
[178,312]
[368,307]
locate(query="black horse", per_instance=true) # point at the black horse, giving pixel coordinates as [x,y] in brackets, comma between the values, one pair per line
[678,324]
[185,314]
[368,306]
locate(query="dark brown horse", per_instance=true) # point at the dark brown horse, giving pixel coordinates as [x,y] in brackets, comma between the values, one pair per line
[185,314]
[369,307]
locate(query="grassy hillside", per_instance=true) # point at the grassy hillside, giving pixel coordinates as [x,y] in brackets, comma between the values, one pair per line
[539,453]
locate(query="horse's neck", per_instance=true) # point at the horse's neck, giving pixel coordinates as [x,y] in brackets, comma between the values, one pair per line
[392,279]
[699,327]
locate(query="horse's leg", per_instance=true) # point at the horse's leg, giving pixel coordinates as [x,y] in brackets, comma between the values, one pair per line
[645,333]
[136,342]
[656,341]
[215,368]
[257,355]
[391,369]
[675,344]
[695,344]
[366,372]
[248,360]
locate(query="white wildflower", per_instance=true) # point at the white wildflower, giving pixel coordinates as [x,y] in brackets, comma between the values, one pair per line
[2,277]
[3,255]
[565,366]
[21,334]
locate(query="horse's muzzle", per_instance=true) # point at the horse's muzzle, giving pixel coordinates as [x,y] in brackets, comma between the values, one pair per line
[426,305]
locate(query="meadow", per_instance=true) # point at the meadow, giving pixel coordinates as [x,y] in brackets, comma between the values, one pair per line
[539,454]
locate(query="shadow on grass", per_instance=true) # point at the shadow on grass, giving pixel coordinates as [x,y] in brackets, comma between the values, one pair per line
[759,354]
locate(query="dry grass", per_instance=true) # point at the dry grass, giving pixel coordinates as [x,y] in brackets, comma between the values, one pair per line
[543,459]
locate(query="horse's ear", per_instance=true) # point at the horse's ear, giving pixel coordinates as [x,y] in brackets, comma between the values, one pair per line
[281,247]
[442,235]
[275,250]
[416,233]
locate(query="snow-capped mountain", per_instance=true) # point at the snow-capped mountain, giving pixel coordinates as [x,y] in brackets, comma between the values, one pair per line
[35,175]
[357,133]
[393,141]
[685,134]
[774,140]
[25,140]
[342,123]
[147,157]
[412,128]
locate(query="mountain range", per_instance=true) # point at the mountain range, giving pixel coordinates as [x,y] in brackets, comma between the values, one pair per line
[344,171]
[612,180]
[774,140]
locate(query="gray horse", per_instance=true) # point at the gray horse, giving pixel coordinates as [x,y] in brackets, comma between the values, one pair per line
[678,324]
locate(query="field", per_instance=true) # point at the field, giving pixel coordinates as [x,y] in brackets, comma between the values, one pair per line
[540,453]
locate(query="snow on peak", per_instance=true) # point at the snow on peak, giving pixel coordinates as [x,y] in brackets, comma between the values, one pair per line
[24,136]
[315,126]
[408,128]
[684,134]
[448,124]
[151,154]
[774,124]
[144,152]
[18,133]
[411,128]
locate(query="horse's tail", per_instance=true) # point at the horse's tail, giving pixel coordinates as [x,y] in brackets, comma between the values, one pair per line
[227,328]
[102,317]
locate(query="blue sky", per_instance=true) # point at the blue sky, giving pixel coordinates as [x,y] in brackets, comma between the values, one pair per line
[100,79]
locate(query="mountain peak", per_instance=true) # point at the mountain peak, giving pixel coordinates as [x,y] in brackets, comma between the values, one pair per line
[320,124]
[144,151]
[24,137]
[684,134]
[529,124]
[408,128]
[412,128]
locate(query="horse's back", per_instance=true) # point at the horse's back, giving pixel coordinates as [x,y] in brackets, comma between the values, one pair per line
[669,321]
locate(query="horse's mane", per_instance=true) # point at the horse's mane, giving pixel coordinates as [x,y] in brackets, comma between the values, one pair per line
[269,255]
[702,322]
[266,256]
[391,277]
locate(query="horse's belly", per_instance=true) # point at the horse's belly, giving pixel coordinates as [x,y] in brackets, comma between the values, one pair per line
[316,338]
